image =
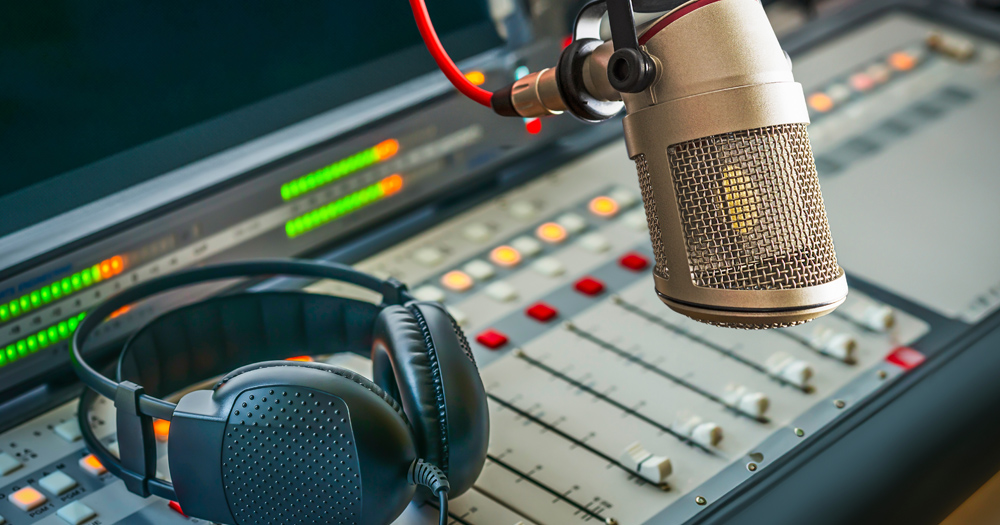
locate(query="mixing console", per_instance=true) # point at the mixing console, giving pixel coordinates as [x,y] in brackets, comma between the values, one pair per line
[606,406]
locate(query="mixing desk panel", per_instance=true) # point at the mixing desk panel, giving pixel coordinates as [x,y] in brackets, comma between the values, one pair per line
[605,406]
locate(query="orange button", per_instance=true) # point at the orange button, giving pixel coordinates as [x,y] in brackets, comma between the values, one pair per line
[551,232]
[505,256]
[603,206]
[902,61]
[92,465]
[456,280]
[821,102]
[161,427]
[302,358]
[28,499]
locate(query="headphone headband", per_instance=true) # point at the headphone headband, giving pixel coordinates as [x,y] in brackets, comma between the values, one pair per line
[392,291]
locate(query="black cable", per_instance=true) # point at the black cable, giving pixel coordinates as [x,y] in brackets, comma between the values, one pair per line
[443,507]
[427,475]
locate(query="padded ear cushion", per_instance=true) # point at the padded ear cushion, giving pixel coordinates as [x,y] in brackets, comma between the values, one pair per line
[377,443]
[421,357]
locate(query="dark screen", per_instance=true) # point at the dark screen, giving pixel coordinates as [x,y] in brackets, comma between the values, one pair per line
[84,79]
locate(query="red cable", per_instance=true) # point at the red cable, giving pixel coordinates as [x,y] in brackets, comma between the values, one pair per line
[444,62]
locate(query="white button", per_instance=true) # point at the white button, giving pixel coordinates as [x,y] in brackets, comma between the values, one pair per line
[428,256]
[636,219]
[479,269]
[477,232]
[68,430]
[8,464]
[572,222]
[527,246]
[549,266]
[644,463]
[429,293]
[459,316]
[523,209]
[76,513]
[595,242]
[501,291]
[57,483]
[625,197]
[28,499]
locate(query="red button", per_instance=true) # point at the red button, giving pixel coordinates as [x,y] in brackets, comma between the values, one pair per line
[492,339]
[905,357]
[541,312]
[177,508]
[633,261]
[589,286]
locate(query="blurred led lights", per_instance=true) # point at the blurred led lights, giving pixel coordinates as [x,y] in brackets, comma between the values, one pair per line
[344,206]
[89,276]
[380,152]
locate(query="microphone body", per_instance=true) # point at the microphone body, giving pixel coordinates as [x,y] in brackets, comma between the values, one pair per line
[727,173]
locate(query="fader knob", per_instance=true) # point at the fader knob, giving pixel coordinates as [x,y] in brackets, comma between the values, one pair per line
[833,343]
[652,468]
[704,432]
[794,371]
[869,314]
[754,404]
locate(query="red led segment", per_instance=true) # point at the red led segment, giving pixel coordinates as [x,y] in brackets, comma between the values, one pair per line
[633,261]
[905,358]
[541,312]
[492,339]
[589,286]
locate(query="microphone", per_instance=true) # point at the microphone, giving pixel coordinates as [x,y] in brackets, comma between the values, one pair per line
[716,125]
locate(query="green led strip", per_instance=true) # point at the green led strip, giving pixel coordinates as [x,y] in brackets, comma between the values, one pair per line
[37,341]
[67,285]
[343,206]
[341,168]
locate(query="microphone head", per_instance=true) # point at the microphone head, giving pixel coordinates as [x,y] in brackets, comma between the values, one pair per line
[727,173]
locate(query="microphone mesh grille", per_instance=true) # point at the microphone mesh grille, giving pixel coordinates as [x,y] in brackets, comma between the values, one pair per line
[751,209]
[649,202]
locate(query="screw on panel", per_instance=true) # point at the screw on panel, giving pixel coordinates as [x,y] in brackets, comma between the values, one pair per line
[882,374]
[799,432]
[611,521]
[751,467]
[518,352]
[700,500]
[569,325]
[839,403]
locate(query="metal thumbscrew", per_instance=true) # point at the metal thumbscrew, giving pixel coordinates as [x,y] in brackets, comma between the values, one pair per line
[799,432]
[751,467]
[611,521]
[839,403]
[700,500]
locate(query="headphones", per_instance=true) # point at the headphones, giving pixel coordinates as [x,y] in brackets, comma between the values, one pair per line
[285,441]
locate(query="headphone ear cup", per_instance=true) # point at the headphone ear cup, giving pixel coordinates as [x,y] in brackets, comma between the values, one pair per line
[313,443]
[421,357]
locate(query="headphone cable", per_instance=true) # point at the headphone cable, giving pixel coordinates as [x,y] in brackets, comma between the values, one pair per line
[427,475]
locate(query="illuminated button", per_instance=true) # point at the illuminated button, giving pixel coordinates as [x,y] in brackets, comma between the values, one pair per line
[595,242]
[549,267]
[176,507]
[541,312]
[57,483]
[625,197]
[879,73]
[492,339]
[68,430]
[92,465]
[479,269]
[905,357]
[527,246]
[902,61]
[428,256]
[589,286]
[861,82]
[839,93]
[523,209]
[477,78]
[551,232]
[76,513]
[8,464]
[501,291]
[603,206]
[634,261]
[161,427]
[298,358]
[636,220]
[477,232]
[429,293]
[460,317]
[572,222]
[505,256]
[456,280]
[28,499]
[820,102]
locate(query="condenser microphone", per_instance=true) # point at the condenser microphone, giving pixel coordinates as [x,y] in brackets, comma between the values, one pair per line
[716,125]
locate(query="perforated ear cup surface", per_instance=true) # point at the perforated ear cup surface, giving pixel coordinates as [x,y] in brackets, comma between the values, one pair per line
[311,443]
[420,356]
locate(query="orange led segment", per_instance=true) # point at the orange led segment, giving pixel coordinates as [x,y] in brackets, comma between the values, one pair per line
[386,149]
[92,465]
[28,499]
[302,358]
[603,206]
[902,61]
[456,280]
[391,184]
[551,232]
[820,102]
[476,77]
[121,311]
[505,256]
[161,427]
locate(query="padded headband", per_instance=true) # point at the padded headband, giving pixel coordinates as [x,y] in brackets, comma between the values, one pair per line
[157,344]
